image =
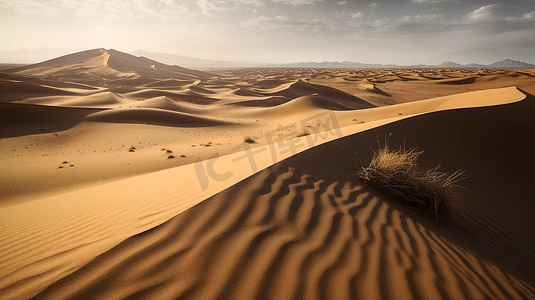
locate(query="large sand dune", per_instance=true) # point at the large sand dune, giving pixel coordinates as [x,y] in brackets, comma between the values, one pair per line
[93,207]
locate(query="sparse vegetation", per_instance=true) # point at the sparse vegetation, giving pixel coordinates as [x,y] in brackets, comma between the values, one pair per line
[182,155]
[170,157]
[249,140]
[169,151]
[396,172]
[131,149]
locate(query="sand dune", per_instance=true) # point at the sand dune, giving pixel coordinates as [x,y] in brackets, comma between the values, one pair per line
[126,178]
[25,119]
[265,102]
[107,64]
[153,116]
[166,103]
[102,99]
[20,90]
[300,87]
[306,228]
[167,83]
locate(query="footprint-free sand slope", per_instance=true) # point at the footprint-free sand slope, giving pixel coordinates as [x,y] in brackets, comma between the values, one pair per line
[307,227]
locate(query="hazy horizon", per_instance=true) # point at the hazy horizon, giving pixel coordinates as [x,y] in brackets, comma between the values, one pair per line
[279,31]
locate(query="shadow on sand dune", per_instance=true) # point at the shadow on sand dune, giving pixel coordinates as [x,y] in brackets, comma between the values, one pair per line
[25,119]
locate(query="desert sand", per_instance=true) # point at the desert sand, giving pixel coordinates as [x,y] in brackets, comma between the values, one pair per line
[122,177]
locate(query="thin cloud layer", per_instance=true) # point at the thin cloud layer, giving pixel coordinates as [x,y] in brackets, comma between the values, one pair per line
[407,31]
[483,13]
[297,2]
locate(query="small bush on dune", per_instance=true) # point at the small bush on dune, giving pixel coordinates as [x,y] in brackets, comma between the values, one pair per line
[396,172]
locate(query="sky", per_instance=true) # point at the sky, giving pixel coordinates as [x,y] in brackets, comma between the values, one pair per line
[401,32]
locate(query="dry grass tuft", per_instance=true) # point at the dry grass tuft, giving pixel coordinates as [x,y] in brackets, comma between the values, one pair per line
[396,172]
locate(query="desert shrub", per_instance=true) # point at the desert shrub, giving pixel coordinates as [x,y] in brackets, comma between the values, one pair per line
[396,173]
[131,149]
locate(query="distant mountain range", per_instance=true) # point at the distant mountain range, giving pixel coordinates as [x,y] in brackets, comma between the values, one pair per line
[506,64]
[24,56]
[329,64]
[173,59]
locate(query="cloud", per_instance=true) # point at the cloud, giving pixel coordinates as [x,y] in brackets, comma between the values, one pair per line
[108,9]
[482,13]
[283,23]
[296,2]
[262,20]
[208,6]
[356,15]
[403,26]
[525,17]
[34,7]
[428,1]
[163,9]
[421,18]
[101,9]
[341,2]
[373,5]
[528,16]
